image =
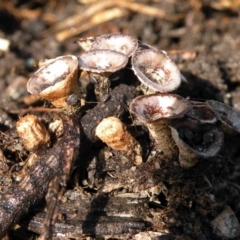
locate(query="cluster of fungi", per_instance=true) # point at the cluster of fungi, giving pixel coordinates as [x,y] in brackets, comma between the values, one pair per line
[180,127]
[184,131]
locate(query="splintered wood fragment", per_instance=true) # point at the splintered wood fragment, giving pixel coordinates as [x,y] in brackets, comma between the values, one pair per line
[97,19]
[56,161]
[53,198]
[95,226]
[91,215]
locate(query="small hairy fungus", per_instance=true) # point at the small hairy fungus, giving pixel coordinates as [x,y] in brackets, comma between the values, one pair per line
[156,70]
[157,111]
[101,64]
[56,81]
[122,43]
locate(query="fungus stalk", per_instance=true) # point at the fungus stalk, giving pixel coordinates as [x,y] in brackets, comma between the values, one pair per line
[161,134]
[114,133]
[101,64]
[157,111]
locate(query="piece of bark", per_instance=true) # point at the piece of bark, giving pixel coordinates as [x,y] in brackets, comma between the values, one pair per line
[57,161]
[101,225]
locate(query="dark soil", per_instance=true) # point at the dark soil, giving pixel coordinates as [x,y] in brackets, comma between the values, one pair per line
[107,196]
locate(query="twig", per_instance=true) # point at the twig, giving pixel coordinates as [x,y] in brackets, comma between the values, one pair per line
[104,11]
[36,109]
[74,20]
[57,161]
[99,18]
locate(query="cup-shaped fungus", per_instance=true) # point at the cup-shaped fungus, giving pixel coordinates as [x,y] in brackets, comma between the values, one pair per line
[202,113]
[195,141]
[122,43]
[228,117]
[58,82]
[157,111]
[114,133]
[226,224]
[32,132]
[101,64]
[156,70]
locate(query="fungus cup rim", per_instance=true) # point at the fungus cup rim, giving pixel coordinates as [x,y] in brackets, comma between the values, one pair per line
[153,113]
[36,81]
[171,72]
[104,56]
[106,38]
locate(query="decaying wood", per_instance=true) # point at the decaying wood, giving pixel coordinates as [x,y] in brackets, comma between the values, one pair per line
[97,217]
[57,161]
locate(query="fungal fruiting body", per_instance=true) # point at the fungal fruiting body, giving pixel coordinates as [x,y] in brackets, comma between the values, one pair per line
[202,113]
[122,43]
[195,141]
[156,70]
[226,224]
[113,132]
[228,117]
[56,81]
[101,64]
[157,111]
[32,132]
